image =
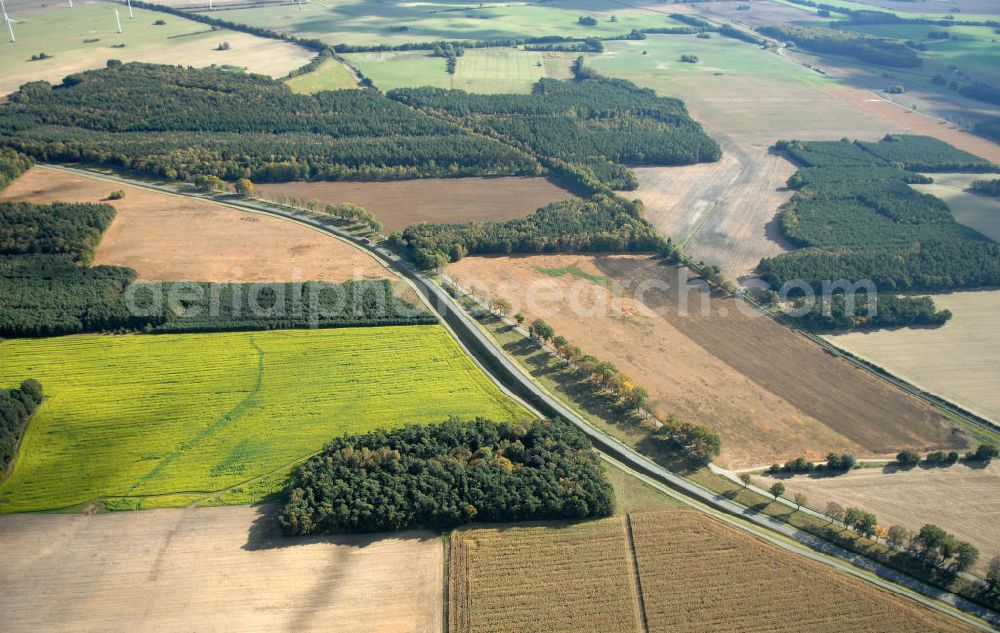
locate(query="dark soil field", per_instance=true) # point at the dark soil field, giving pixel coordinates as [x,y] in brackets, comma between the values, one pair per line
[770,394]
[846,399]
[399,204]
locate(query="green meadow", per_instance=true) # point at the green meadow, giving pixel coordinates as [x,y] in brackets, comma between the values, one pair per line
[147,421]
[397,22]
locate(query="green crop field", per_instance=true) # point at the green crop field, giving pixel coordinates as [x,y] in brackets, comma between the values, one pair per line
[735,88]
[368,23]
[329,75]
[163,420]
[914,15]
[972,49]
[486,70]
[86,36]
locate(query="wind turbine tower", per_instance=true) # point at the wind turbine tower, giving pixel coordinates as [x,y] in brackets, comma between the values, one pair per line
[130,16]
[118,20]
[6,18]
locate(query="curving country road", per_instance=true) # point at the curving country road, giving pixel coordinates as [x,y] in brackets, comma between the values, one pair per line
[514,381]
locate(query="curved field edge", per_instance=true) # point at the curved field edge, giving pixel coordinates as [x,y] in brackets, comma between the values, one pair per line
[148,421]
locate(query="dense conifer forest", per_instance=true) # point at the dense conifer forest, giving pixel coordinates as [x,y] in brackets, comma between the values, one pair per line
[587,122]
[180,122]
[16,407]
[855,218]
[445,475]
[866,48]
[603,223]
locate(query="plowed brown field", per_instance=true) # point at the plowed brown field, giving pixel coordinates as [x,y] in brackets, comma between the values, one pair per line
[398,204]
[769,393]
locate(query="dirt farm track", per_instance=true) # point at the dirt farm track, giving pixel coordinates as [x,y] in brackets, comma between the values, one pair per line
[211,569]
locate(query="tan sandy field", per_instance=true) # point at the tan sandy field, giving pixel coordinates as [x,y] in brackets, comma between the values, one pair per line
[959,361]
[979,212]
[212,569]
[177,238]
[769,393]
[399,204]
[722,212]
[914,122]
[964,501]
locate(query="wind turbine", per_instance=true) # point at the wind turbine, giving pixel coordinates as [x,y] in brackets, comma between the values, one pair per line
[130,16]
[118,20]
[6,18]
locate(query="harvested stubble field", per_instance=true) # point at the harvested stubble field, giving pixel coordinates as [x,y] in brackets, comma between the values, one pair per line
[399,204]
[178,238]
[698,574]
[63,32]
[562,578]
[964,501]
[769,393]
[165,420]
[959,361]
[722,212]
[212,570]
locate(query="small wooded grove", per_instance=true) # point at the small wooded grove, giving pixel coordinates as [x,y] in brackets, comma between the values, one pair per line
[605,222]
[445,475]
[16,407]
[12,165]
[867,48]
[855,218]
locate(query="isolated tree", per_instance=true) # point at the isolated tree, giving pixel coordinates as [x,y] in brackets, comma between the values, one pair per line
[835,511]
[777,489]
[897,536]
[559,341]
[541,330]
[993,576]
[519,318]
[502,306]
[635,398]
[244,187]
[852,516]
[746,479]
[866,524]
[984,452]
[908,459]
[881,532]
[966,556]
[800,500]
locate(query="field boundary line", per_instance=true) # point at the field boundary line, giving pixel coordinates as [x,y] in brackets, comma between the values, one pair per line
[699,225]
[634,560]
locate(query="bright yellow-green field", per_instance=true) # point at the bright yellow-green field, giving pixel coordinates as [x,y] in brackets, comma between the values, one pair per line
[329,75]
[127,418]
